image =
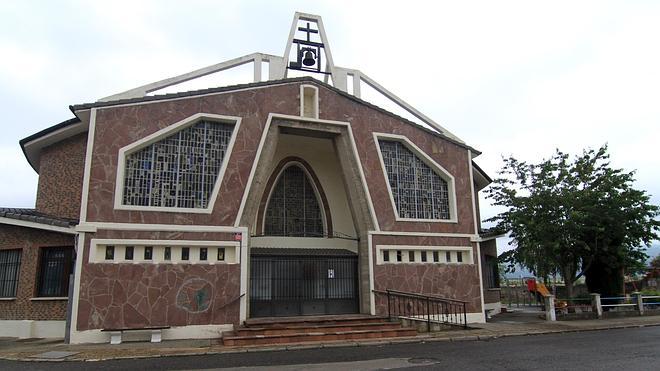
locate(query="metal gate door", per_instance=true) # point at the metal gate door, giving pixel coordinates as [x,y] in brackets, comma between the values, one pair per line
[303,285]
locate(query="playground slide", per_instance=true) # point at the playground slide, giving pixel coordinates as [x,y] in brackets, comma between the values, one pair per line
[541,289]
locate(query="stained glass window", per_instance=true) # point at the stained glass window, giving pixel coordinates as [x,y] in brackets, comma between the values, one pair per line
[179,170]
[419,193]
[293,209]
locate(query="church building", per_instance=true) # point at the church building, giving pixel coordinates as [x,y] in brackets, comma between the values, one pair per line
[285,196]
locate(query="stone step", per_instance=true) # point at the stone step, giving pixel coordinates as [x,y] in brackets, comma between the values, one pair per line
[316,328]
[304,321]
[317,336]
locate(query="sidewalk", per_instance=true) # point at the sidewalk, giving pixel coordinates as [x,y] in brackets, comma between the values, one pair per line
[37,349]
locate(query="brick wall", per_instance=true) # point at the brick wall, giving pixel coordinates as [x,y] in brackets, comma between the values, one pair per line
[60,177]
[30,241]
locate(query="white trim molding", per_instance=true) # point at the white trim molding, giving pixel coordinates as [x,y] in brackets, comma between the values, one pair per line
[437,168]
[231,255]
[467,260]
[45,227]
[95,226]
[161,134]
[347,125]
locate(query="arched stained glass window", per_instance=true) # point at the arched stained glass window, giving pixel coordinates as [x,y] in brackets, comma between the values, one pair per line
[180,170]
[293,209]
[419,193]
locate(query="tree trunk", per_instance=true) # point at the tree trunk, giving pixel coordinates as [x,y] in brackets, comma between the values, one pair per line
[569,288]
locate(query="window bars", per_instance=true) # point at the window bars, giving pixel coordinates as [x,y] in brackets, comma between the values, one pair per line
[419,193]
[56,266]
[10,264]
[179,170]
[293,209]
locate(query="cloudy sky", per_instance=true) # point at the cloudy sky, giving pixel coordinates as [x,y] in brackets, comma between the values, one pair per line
[514,78]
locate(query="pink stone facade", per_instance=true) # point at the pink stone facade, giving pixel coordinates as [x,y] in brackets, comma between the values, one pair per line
[129,295]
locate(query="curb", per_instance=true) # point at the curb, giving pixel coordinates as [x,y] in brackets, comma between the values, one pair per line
[349,344]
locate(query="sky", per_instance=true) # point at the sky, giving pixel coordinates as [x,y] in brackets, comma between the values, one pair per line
[511,78]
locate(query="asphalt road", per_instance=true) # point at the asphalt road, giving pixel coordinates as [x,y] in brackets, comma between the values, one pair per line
[624,349]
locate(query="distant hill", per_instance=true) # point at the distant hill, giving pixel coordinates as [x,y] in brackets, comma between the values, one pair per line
[652,252]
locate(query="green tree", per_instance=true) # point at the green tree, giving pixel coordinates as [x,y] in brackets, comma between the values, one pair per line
[574,217]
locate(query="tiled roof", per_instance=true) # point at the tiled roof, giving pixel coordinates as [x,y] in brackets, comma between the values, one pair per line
[32,215]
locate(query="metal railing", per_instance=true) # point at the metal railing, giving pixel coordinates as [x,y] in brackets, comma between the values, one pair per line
[431,309]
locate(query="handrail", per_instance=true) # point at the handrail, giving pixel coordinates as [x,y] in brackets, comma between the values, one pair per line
[421,296]
[432,309]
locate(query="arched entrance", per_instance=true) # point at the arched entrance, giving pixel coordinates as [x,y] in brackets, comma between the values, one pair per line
[297,280]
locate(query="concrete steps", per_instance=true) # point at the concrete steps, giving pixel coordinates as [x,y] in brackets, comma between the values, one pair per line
[270,331]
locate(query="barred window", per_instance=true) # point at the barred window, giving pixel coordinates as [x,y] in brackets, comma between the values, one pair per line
[179,170]
[419,193]
[491,275]
[56,266]
[10,265]
[293,209]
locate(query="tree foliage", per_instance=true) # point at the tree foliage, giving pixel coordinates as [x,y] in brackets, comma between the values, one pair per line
[570,216]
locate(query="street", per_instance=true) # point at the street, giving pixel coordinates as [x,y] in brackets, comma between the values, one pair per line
[633,349]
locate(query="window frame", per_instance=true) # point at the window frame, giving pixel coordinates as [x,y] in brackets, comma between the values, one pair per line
[162,134]
[426,159]
[317,194]
[17,275]
[64,280]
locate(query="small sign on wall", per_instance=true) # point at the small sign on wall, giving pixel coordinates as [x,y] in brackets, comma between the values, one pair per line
[331,273]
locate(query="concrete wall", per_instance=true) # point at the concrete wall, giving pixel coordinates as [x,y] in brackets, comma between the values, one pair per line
[60,177]
[26,306]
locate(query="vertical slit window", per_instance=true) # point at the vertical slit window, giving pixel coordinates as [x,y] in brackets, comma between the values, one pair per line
[56,266]
[128,253]
[185,253]
[179,170]
[10,266]
[448,256]
[423,256]
[221,253]
[148,252]
[386,255]
[418,191]
[399,256]
[203,253]
[411,256]
[459,256]
[436,257]
[293,209]
[167,254]
[109,252]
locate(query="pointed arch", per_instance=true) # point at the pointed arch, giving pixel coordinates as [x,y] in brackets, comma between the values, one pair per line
[311,179]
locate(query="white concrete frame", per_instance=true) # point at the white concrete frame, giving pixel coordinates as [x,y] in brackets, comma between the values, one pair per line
[96,256]
[264,134]
[297,17]
[45,227]
[278,70]
[443,249]
[439,170]
[161,134]
[315,100]
[476,231]
[317,194]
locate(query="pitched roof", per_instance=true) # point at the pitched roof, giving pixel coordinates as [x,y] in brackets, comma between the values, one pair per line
[307,79]
[32,215]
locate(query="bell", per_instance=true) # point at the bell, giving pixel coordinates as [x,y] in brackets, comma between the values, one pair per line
[309,59]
